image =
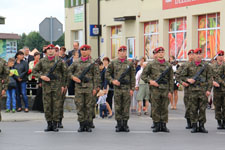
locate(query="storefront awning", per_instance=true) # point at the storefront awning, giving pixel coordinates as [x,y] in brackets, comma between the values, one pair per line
[125,18]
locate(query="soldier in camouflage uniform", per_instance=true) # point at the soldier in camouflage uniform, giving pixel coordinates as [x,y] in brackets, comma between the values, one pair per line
[219,90]
[84,90]
[4,78]
[160,90]
[52,85]
[199,88]
[123,87]
[187,93]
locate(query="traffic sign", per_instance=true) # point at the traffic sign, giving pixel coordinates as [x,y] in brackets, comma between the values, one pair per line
[51,29]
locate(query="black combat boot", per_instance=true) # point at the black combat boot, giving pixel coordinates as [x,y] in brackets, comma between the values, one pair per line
[220,126]
[92,124]
[60,125]
[157,127]
[164,128]
[223,125]
[188,124]
[194,128]
[81,128]
[153,125]
[54,127]
[49,127]
[119,127]
[125,126]
[0,130]
[202,128]
[88,126]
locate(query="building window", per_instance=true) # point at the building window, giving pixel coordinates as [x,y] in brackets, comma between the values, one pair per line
[79,37]
[151,38]
[209,34]
[116,37]
[178,38]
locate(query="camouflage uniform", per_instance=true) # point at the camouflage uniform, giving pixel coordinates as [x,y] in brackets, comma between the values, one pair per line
[4,75]
[83,92]
[218,94]
[122,97]
[159,95]
[198,98]
[51,89]
[187,93]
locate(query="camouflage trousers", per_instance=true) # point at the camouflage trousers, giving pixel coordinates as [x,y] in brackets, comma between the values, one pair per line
[93,106]
[61,105]
[51,102]
[219,103]
[187,105]
[122,102]
[159,103]
[84,106]
[198,104]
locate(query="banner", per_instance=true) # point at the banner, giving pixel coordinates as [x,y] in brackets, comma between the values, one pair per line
[169,4]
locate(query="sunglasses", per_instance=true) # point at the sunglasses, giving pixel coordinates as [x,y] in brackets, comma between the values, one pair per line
[221,55]
[83,49]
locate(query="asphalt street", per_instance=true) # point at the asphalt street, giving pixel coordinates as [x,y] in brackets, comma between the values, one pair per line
[24,131]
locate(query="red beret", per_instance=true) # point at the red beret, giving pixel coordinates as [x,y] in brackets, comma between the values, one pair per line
[50,46]
[198,51]
[220,52]
[85,47]
[191,51]
[158,49]
[122,48]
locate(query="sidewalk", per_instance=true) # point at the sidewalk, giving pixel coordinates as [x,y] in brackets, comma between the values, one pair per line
[32,115]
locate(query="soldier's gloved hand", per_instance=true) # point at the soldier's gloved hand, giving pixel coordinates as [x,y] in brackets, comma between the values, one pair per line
[153,83]
[116,82]
[207,93]
[45,78]
[131,92]
[185,84]
[77,80]
[216,84]
[169,95]
[192,81]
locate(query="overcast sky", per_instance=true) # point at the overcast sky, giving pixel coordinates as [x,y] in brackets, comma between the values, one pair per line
[24,16]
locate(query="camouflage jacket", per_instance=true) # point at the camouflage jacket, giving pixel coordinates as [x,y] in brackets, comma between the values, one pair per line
[43,67]
[116,68]
[178,75]
[4,74]
[204,83]
[219,76]
[93,75]
[152,72]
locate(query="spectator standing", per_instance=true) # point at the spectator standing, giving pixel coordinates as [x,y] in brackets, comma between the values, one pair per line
[174,97]
[27,57]
[22,67]
[143,91]
[62,54]
[110,94]
[11,92]
[75,49]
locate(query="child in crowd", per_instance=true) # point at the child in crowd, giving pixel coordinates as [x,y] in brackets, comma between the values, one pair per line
[104,106]
[11,92]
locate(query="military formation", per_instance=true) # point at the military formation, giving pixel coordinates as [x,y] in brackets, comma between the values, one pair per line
[198,77]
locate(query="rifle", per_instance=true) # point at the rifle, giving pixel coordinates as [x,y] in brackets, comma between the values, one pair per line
[160,79]
[86,70]
[197,75]
[50,74]
[123,75]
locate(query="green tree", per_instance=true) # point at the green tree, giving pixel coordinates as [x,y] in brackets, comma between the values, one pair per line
[21,41]
[34,40]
